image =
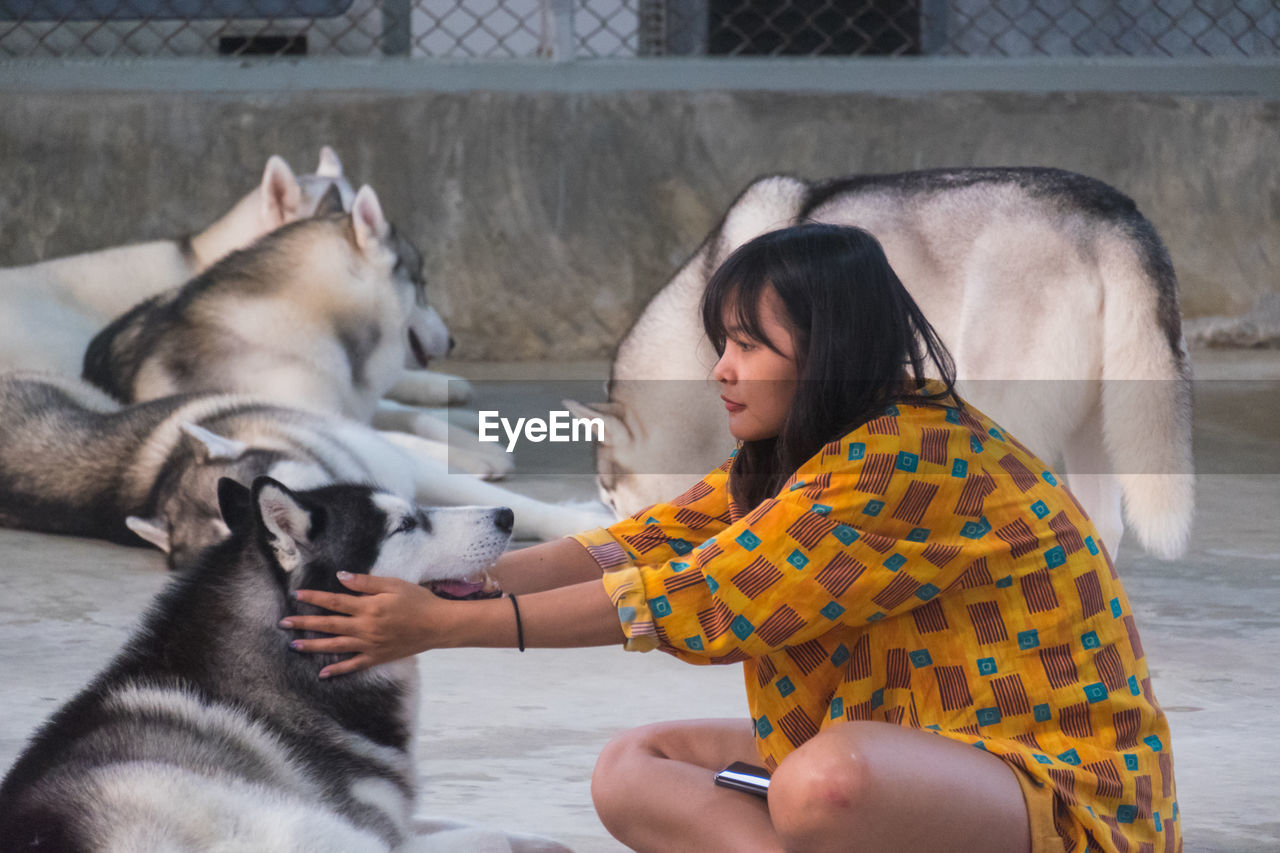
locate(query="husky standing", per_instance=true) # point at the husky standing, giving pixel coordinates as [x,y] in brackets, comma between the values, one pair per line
[1054,294]
[74,461]
[207,732]
[49,311]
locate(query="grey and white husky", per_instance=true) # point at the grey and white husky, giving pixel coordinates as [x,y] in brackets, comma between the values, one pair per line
[1054,294]
[328,313]
[206,732]
[49,311]
[74,461]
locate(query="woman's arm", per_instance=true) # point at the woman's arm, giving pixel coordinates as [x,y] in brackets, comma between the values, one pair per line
[562,562]
[394,619]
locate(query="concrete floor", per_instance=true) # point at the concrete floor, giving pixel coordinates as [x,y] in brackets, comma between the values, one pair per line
[509,739]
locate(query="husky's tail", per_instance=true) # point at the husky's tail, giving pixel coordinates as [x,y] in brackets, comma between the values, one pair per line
[1146,388]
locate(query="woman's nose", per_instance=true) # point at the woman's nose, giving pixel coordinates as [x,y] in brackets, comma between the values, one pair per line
[723,371]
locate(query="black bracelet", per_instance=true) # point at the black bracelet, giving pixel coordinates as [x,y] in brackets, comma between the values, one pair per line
[519,625]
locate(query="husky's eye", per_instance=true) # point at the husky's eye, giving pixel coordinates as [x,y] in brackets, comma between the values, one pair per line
[406,524]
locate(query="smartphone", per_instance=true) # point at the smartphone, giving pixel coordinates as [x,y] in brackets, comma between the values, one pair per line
[741,776]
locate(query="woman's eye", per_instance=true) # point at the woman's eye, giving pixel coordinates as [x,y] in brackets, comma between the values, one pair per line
[409,523]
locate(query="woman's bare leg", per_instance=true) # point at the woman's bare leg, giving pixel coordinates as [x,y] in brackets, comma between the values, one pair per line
[861,786]
[653,789]
[874,786]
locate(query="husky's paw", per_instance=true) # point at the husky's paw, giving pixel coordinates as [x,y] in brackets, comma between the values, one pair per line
[460,391]
[485,464]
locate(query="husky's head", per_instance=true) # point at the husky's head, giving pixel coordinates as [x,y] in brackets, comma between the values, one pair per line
[309,536]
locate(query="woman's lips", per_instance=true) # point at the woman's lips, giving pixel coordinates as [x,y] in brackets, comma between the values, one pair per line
[731,405]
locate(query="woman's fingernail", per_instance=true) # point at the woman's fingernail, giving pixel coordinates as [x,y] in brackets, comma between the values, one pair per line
[296,644]
[324,673]
[286,623]
[344,576]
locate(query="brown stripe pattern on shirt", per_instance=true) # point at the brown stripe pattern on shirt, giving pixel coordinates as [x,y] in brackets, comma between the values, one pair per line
[1019,536]
[953,687]
[1011,696]
[758,576]
[1067,533]
[988,625]
[780,625]
[810,527]
[1021,474]
[1037,591]
[933,445]
[915,503]
[1074,720]
[1090,591]
[975,491]
[876,471]
[902,587]
[839,574]
[1059,668]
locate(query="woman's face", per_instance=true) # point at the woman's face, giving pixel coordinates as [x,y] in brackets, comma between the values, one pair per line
[757,384]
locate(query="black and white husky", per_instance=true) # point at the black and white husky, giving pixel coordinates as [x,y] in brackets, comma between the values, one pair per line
[206,732]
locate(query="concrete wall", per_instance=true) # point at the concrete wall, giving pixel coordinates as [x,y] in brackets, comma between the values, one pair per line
[548,218]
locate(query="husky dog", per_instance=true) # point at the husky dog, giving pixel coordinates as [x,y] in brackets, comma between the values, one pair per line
[206,732]
[1030,276]
[49,311]
[74,461]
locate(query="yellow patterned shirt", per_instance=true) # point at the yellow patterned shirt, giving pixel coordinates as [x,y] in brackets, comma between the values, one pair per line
[926,570]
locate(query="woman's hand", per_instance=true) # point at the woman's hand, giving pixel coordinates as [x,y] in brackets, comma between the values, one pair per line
[392,620]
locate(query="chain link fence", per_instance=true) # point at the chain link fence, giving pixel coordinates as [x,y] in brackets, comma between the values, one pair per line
[583,29]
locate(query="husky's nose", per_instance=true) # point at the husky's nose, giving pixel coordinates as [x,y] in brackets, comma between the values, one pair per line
[504,519]
[452,344]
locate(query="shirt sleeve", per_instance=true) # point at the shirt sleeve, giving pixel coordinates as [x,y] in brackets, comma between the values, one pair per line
[665,531]
[866,530]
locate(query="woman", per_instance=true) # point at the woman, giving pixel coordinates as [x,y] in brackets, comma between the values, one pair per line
[902,580]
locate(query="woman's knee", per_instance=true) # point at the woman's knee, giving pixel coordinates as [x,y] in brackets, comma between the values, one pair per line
[817,792]
[615,770]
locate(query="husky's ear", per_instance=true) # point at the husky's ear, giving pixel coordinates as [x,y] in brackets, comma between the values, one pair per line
[329,203]
[367,218]
[150,529]
[235,502]
[612,414]
[286,520]
[211,447]
[330,166]
[281,193]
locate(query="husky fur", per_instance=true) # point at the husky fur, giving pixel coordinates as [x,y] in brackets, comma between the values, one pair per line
[1030,276]
[49,311]
[322,313]
[207,733]
[74,461]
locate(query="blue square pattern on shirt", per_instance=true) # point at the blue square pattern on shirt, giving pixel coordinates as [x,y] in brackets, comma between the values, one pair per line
[1126,813]
[873,508]
[1115,608]
[694,643]
[840,655]
[959,468]
[798,486]
[1130,761]
[763,727]
[712,584]
[837,708]
[976,529]
[995,433]
[895,562]
[748,540]
[974,444]
[1040,508]
[678,567]
[877,699]
[1069,757]
[1005,582]
[741,627]
[953,415]
[927,591]
[833,610]
[988,716]
[797,559]
[987,666]
[845,534]
[1090,640]
[1095,692]
[680,546]
[1049,478]
[908,461]
[1028,639]
[1043,759]
[785,687]
[660,606]
[919,534]
[857,450]
[1153,742]
[1091,545]
[819,509]
[1055,557]
[1042,713]
[1133,685]
[920,658]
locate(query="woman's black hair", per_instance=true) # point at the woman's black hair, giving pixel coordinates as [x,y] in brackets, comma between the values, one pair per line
[861,342]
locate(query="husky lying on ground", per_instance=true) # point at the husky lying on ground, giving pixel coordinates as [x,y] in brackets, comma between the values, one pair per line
[207,732]
[1031,277]
[323,313]
[49,311]
[73,461]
